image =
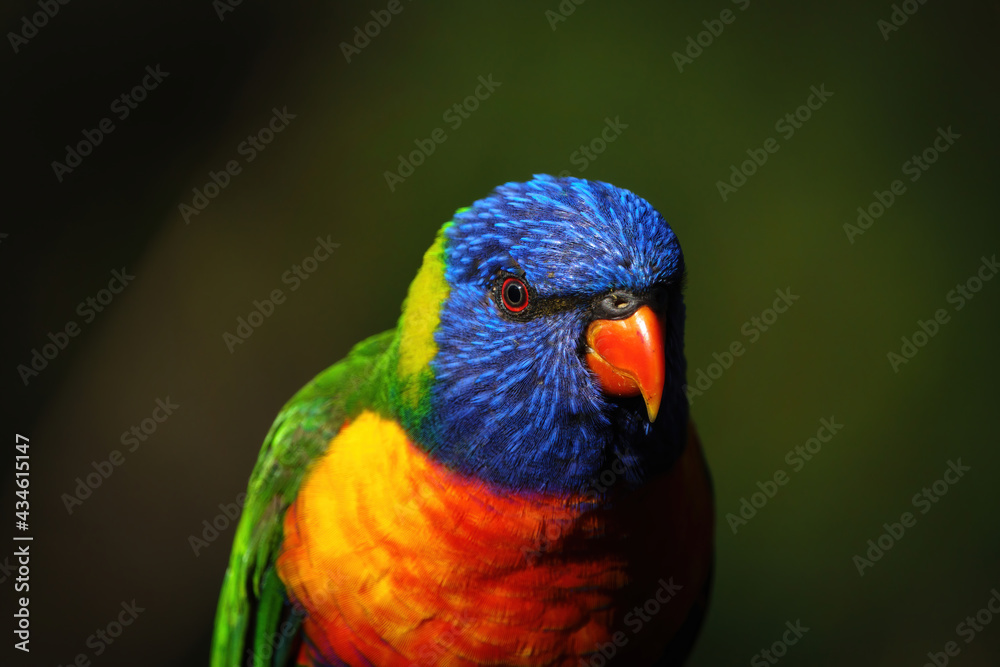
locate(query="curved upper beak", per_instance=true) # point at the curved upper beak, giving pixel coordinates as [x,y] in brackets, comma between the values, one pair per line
[627,357]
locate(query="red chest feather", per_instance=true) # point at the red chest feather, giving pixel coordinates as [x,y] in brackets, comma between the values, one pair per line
[400,561]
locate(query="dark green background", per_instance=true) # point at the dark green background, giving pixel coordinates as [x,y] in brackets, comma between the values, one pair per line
[324,176]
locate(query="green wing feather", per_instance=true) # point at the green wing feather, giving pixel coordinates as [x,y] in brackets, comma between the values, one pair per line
[253,611]
[388,373]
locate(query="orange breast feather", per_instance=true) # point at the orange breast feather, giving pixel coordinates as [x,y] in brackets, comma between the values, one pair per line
[400,561]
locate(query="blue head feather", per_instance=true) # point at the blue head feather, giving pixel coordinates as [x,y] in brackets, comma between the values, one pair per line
[513,402]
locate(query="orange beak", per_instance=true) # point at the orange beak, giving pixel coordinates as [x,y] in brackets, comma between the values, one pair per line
[627,357]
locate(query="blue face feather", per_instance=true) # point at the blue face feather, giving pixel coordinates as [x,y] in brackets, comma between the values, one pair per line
[513,401]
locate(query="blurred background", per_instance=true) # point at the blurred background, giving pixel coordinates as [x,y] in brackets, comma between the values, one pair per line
[689,90]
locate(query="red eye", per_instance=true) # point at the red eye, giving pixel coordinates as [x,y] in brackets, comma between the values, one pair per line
[514,294]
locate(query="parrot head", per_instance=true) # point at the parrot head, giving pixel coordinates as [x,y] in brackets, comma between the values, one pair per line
[543,337]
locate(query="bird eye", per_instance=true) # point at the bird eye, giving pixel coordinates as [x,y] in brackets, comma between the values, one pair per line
[514,295]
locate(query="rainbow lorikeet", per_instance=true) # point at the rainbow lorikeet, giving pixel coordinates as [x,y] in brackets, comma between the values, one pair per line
[509,477]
